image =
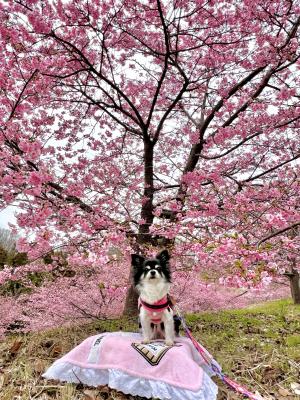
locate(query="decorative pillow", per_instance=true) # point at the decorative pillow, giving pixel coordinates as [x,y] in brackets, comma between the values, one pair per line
[122,362]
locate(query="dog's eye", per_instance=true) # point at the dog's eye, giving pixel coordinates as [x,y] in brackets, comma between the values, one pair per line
[147,268]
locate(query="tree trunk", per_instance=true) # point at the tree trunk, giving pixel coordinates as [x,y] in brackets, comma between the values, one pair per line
[144,238]
[147,216]
[130,307]
[295,287]
[294,278]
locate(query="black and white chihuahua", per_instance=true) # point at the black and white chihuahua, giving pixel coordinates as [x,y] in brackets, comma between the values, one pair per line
[152,280]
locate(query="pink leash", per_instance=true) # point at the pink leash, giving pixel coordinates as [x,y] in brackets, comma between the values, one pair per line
[212,363]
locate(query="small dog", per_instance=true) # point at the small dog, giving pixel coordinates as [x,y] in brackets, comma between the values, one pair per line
[152,280]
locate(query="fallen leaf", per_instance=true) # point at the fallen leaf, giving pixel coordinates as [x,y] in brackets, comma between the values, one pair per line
[90,394]
[259,396]
[56,350]
[119,396]
[104,389]
[39,366]
[295,386]
[272,374]
[2,377]
[15,347]
[284,392]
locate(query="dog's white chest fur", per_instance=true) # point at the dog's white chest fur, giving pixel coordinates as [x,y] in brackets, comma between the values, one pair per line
[153,291]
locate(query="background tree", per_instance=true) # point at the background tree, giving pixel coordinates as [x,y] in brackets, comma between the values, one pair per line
[176,123]
[8,240]
[8,253]
[3,257]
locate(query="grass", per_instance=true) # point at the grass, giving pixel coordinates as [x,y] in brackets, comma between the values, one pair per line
[258,346]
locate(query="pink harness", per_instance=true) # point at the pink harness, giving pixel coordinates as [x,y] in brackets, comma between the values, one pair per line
[156,309]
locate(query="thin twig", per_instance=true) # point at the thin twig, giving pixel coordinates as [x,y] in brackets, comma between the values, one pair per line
[278,232]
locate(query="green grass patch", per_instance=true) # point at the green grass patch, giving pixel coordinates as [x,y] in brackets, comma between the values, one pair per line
[293,340]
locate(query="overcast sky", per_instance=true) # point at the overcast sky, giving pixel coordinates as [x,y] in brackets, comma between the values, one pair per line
[6,216]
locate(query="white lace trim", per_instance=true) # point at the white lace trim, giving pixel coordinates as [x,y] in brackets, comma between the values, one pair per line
[128,384]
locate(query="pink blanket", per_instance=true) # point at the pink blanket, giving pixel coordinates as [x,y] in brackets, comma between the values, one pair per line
[126,358]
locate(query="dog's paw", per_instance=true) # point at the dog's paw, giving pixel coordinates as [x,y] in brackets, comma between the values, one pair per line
[169,342]
[146,341]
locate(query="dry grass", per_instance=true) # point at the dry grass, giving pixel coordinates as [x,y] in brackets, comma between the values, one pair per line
[257,346]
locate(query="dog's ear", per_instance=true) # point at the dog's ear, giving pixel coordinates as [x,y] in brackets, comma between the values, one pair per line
[137,261]
[163,256]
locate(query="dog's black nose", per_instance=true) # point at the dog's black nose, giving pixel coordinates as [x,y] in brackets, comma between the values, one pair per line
[152,273]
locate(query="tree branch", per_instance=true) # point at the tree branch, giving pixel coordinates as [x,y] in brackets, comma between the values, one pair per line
[99,74]
[273,168]
[21,94]
[278,232]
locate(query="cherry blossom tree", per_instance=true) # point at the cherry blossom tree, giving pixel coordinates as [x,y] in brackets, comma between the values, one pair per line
[141,124]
